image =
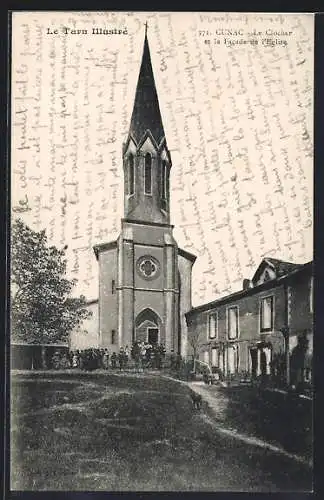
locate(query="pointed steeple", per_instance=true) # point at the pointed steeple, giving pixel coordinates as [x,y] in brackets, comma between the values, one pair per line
[146,158]
[146,112]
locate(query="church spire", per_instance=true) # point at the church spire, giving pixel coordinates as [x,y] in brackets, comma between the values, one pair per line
[146,158]
[146,112]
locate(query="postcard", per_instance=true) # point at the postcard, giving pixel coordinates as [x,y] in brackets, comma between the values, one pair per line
[161,251]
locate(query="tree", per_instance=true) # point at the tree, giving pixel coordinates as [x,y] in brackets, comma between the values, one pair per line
[194,340]
[42,308]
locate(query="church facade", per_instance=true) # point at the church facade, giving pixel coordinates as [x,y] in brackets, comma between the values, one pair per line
[144,277]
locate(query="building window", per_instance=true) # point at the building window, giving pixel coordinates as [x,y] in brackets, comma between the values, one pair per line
[163,180]
[266,314]
[212,325]
[148,174]
[232,322]
[113,336]
[214,357]
[232,359]
[113,286]
[131,176]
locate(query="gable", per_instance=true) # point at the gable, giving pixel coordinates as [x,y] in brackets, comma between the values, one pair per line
[148,144]
[129,146]
[270,269]
[267,274]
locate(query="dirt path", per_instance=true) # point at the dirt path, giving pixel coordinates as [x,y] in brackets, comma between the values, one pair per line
[215,407]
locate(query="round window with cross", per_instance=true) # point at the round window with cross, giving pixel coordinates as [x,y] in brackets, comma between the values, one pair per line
[148,267]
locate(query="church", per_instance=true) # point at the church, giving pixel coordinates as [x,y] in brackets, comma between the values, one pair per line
[144,277]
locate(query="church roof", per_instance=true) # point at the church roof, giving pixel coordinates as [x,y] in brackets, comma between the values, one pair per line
[187,255]
[102,247]
[146,112]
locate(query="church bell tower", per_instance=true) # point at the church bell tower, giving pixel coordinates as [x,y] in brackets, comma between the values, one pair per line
[145,279]
[146,158]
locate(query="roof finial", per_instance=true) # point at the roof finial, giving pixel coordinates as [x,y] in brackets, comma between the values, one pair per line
[145,29]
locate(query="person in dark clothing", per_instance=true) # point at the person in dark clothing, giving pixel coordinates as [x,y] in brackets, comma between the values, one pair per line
[121,358]
[154,356]
[126,356]
[162,354]
[178,362]
[162,350]
[105,359]
[172,360]
[113,360]
[158,360]
[70,358]
[136,355]
[56,360]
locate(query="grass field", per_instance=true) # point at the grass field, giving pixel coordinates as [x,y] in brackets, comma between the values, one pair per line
[124,432]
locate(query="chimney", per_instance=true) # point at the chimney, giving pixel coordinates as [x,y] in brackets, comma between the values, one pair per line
[247,284]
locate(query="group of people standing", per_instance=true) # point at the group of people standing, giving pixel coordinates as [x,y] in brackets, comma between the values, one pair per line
[142,354]
[146,355]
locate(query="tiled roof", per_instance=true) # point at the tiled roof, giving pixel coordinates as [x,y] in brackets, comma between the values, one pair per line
[282,267]
[101,247]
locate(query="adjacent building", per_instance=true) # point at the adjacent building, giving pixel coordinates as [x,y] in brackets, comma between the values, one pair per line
[264,329]
[85,335]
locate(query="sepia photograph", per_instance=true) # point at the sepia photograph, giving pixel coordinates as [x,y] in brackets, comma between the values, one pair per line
[161,267]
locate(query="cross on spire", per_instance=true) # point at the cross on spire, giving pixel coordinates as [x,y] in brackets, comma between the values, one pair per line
[146,28]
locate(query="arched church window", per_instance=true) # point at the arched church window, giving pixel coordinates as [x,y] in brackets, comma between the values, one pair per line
[167,180]
[148,174]
[163,180]
[131,176]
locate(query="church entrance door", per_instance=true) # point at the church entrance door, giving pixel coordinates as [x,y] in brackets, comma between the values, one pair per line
[148,327]
[153,335]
